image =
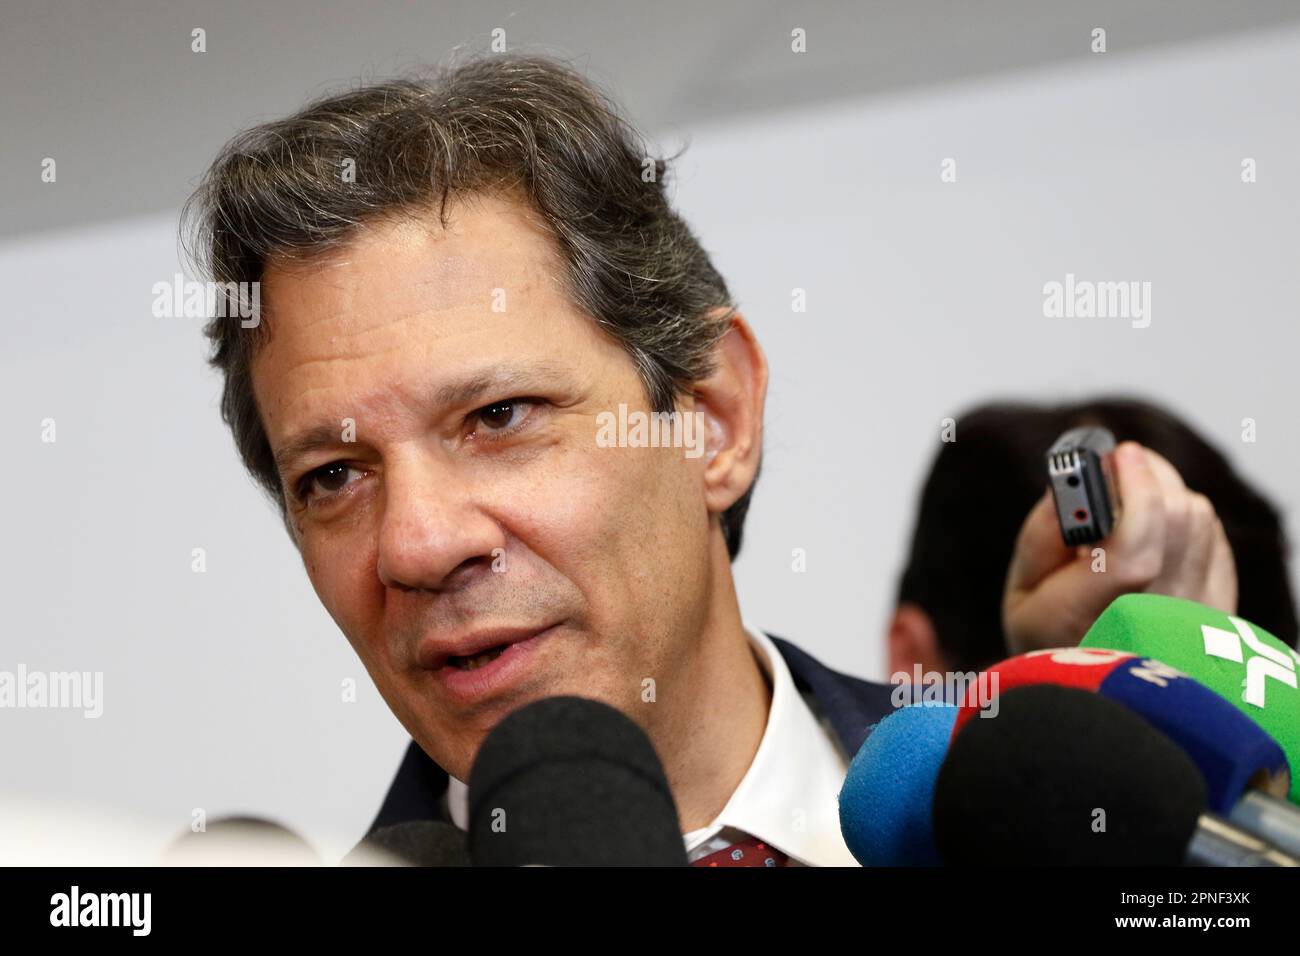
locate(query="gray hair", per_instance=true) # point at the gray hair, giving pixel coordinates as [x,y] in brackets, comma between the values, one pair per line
[511,122]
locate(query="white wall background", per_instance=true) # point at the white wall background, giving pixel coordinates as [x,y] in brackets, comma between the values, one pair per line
[222,689]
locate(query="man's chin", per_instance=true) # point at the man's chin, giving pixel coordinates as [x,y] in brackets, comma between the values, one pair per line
[453,744]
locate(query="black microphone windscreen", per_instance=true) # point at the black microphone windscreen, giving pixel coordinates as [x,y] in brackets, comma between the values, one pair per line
[1064,777]
[567,781]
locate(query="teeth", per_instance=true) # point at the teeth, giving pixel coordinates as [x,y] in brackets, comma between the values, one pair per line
[478,660]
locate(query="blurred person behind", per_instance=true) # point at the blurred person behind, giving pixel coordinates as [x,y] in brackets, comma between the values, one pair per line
[948,610]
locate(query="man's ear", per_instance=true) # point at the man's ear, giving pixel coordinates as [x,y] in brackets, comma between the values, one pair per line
[912,640]
[731,400]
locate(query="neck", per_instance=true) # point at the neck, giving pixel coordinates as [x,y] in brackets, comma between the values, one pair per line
[723,690]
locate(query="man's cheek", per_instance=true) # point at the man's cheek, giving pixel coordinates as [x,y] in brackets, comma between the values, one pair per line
[575,496]
[343,583]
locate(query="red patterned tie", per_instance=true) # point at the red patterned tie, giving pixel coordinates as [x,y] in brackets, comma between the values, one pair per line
[749,851]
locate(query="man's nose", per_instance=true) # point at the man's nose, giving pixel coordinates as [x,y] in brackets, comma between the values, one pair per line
[433,531]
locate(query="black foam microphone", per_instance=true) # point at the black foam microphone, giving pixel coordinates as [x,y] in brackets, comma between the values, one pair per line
[567,781]
[411,843]
[1064,777]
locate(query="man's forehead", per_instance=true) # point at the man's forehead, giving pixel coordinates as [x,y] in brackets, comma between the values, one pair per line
[406,308]
[489,254]
[493,269]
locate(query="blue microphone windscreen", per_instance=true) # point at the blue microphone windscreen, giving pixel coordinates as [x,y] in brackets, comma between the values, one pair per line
[886,801]
[1229,748]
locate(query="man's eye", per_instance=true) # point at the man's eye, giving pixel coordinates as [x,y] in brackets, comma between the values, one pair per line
[503,417]
[324,481]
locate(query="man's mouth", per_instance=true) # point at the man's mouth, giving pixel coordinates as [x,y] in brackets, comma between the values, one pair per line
[489,662]
[468,652]
[473,661]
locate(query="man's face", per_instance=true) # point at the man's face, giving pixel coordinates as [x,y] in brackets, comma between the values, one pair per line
[474,507]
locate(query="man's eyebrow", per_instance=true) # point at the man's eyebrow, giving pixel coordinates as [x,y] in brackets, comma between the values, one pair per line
[481,383]
[318,436]
[495,378]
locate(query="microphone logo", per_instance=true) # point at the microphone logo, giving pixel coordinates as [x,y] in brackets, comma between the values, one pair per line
[1265,662]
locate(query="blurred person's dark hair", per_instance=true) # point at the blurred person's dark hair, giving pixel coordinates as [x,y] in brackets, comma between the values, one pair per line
[982,486]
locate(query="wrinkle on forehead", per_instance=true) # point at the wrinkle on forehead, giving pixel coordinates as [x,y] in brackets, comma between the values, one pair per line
[366,292]
[444,269]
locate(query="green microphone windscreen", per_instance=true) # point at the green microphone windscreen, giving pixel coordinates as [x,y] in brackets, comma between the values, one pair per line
[1232,657]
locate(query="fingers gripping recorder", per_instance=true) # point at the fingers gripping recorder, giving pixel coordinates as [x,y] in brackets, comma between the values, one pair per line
[1079,467]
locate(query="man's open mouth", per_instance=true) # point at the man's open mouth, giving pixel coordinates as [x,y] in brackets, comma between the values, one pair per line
[476,649]
[473,661]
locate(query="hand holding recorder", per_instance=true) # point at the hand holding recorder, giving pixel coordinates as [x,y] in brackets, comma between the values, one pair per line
[1166,540]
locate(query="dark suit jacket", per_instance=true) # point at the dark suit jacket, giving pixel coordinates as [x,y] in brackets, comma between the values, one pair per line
[850,705]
